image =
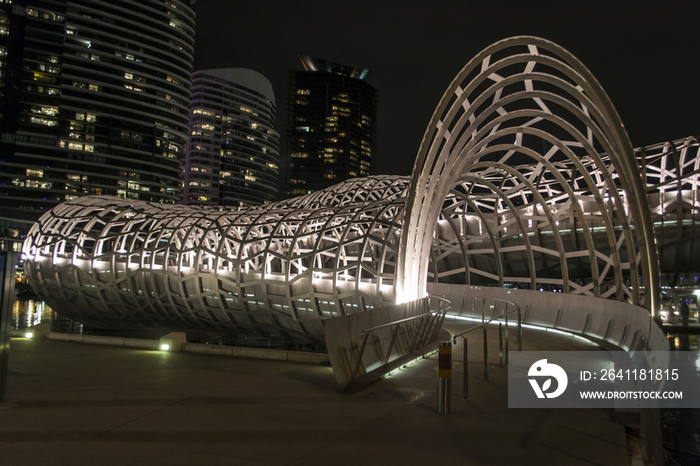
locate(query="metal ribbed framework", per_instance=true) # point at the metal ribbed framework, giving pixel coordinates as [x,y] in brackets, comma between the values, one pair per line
[519,137]
[525,178]
[671,171]
[278,270]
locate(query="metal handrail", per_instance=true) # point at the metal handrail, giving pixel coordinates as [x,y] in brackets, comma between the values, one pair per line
[390,324]
[503,352]
[422,336]
[492,318]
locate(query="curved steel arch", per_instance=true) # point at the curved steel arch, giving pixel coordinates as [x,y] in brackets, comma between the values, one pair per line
[525,177]
[510,86]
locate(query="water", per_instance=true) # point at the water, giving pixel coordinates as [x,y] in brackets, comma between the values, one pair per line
[680,428]
[29,312]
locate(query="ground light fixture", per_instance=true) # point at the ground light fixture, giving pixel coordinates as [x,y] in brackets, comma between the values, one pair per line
[29,335]
[165,347]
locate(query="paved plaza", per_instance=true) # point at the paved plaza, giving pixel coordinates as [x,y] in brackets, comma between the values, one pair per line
[79,404]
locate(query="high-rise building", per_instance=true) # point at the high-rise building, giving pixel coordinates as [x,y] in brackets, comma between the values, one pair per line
[95,100]
[232,157]
[331,126]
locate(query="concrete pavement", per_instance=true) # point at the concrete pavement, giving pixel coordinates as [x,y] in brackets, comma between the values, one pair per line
[76,404]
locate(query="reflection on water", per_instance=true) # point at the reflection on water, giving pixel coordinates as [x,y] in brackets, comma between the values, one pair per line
[683,342]
[681,434]
[681,427]
[30,312]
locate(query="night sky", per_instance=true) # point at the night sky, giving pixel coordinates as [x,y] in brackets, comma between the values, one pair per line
[645,54]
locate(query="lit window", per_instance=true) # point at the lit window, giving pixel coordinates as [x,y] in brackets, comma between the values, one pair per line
[174,80]
[50,111]
[43,121]
[129,75]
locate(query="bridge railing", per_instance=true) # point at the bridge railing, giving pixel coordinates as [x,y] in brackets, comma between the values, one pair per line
[369,344]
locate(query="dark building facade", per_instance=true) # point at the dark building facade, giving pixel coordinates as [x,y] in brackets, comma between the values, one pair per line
[95,100]
[232,156]
[331,127]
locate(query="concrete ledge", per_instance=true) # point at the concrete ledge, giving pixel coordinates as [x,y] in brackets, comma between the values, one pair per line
[259,353]
[173,341]
[312,358]
[101,340]
[238,351]
[64,336]
[37,331]
[141,343]
[207,349]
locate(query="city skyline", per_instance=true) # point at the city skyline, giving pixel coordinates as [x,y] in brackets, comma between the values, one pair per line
[636,54]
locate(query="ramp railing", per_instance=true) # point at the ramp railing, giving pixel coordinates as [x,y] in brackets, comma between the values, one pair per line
[501,305]
[367,345]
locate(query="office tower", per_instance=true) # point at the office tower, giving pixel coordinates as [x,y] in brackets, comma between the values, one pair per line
[232,157]
[95,100]
[331,125]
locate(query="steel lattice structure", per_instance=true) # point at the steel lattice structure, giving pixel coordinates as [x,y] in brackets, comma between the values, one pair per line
[522,128]
[275,270]
[525,177]
[671,171]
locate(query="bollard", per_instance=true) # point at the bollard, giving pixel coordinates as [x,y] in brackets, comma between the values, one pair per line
[444,377]
[506,332]
[520,331]
[465,371]
[486,356]
[500,344]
